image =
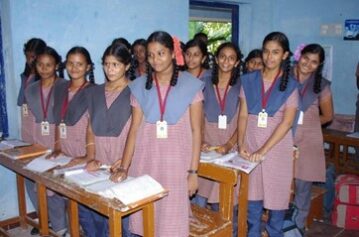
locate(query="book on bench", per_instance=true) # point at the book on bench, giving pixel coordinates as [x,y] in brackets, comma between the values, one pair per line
[26,152]
[43,164]
[231,160]
[12,143]
[129,192]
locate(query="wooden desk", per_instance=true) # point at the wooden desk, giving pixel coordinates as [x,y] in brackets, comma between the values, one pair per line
[113,209]
[338,154]
[242,195]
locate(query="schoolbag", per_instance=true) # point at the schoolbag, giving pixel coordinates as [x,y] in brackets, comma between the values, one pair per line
[346,205]
[289,228]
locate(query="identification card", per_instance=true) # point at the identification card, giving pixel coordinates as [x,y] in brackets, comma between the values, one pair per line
[161,128]
[300,118]
[25,110]
[222,121]
[45,128]
[262,119]
[63,130]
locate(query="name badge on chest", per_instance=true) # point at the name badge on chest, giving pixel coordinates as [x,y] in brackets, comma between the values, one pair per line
[63,130]
[262,119]
[300,118]
[45,128]
[25,110]
[222,121]
[161,129]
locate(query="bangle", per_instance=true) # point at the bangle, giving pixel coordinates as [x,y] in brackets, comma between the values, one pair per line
[89,144]
[123,169]
[192,171]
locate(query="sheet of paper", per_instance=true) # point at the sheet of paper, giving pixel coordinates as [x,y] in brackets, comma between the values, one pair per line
[237,162]
[41,164]
[210,156]
[129,191]
[136,189]
[83,177]
[61,171]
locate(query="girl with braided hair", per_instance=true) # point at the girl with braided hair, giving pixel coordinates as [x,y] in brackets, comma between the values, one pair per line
[32,48]
[165,135]
[269,101]
[221,106]
[40,97]
[138,50]
[315,109]
[196,58]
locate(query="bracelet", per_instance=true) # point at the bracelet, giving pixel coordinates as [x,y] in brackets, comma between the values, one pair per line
[89,144]
[121,168]
[192,171]
[57,141]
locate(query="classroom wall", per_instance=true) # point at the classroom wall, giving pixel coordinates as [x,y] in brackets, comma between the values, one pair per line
[301,21]
[63,24]
[94,24]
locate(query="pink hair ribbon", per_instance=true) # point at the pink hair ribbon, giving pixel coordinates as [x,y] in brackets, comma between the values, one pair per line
[178,51]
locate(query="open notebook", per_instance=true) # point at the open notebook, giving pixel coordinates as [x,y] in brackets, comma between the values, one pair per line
[130,191]
[41,164]
[231,160]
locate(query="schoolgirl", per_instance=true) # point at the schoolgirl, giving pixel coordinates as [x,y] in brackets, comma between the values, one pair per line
[165,135]
[195,56]
[253,61]
[269,100]
[32,49]
[71,109]
[139,54]
[315,109]
[221,105]
[40,99]
[110,112]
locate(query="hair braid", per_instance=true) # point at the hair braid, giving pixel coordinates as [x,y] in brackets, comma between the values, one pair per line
[235,75]
[175,73]
[131,71]
[91,74]
[60,69]
[285,76]
[149,77]
[318,79]
[215,73]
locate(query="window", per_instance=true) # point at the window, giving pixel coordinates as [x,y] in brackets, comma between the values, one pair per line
[218,20]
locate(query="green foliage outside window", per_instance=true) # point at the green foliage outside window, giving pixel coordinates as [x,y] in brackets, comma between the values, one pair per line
[217,32]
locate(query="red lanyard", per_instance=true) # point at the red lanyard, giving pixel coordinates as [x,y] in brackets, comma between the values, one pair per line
[222,102]
[65,104]
[45,108]
[265,96]
[304,90]
[162,103]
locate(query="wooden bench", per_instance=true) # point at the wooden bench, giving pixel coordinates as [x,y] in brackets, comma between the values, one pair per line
[205,222]
[111,208]
[338,151]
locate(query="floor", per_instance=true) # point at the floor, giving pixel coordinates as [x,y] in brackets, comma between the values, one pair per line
[318,230]
[326,230]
